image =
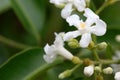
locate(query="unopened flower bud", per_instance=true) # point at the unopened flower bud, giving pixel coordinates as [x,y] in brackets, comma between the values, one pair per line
[89,70]
[65,74]
[101,46]
[97,69]
[91,45]
[73,43]
[117,76]
[76,60]
[108,70]
[99,77]
[88,62]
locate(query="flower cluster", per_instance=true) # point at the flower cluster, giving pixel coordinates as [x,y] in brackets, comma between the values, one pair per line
[91,25]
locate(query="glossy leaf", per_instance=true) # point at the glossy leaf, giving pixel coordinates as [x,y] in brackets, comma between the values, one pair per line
[4,5]
[25,65]
[31,13]
[111,15]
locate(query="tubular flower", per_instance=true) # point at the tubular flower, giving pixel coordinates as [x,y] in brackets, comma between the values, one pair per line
[117,76]
[69,6]
[56,49]
[85,29]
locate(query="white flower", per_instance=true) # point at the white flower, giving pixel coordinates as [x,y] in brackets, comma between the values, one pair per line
[116,67]
[70,5]
[89,70]
[117,76]
[85,29]
[56,49]
[117,38]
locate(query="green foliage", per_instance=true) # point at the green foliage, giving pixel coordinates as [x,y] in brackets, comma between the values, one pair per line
[21,65]
[109,51]
[31,13]
[4,5]
[111,15]
[25,65]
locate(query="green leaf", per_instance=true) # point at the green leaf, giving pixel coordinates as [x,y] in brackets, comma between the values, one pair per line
[4,5]
[3,54]
[111,15]
[31,13]
[109,37]
[109,51]
[26,65]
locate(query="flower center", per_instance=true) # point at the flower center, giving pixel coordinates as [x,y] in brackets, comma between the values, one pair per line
[83,28]
[82,25]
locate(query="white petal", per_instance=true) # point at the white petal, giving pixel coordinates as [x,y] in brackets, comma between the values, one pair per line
[117,76]
[58,2]
[70,35]
[85,40]
[89,13]
[73,20]
[80,5]
[100,28]
[49,58]
[89,70]
[66,11]
[65,53]
[89,21]
[58,40]
[49,49]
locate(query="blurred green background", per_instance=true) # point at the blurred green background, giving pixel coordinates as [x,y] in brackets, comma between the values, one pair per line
[32,23]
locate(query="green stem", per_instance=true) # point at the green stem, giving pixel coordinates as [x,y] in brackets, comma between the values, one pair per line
[94,38]
[13,43]
[74,68]
[95,55]
[105,4]
[94,50]
[93,5]
[107,62]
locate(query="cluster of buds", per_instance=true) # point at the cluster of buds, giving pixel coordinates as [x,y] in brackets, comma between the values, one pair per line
[84,28]
[90,69]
